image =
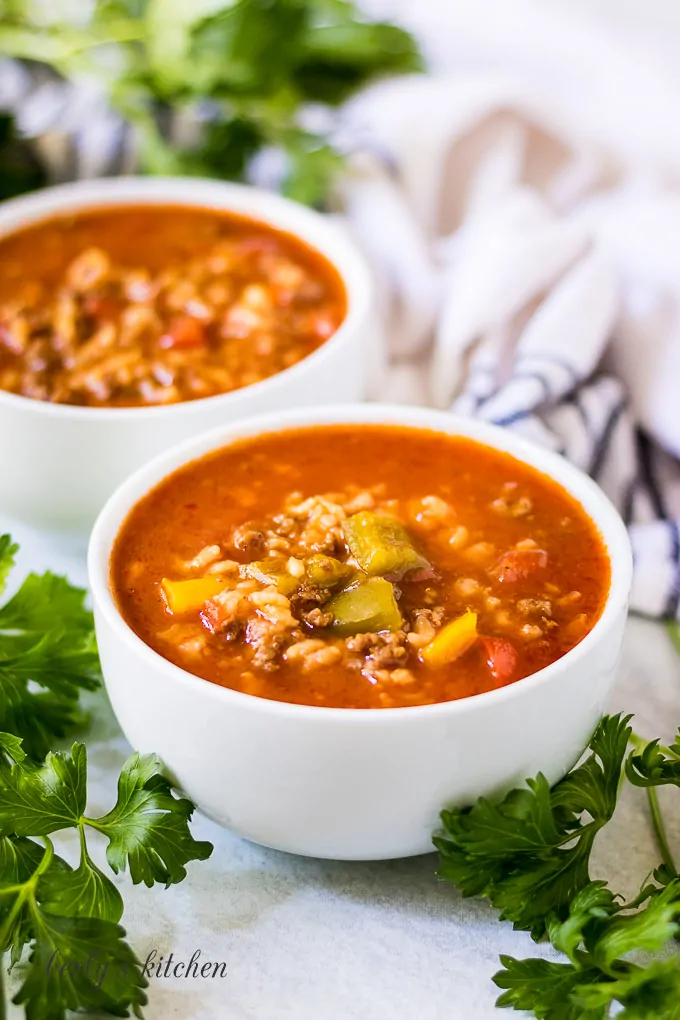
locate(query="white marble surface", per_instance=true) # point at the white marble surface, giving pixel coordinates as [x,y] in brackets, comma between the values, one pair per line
[322,940]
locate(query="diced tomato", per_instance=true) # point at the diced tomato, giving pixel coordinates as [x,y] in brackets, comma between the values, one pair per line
[501,658]
[185,331]
[99,307]
[519,565]
[222,610]
[256,244]
[213,616]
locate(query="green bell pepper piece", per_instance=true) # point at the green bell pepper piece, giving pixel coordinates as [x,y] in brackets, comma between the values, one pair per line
[326,571]
[382,545]
[273,571]
[365,608]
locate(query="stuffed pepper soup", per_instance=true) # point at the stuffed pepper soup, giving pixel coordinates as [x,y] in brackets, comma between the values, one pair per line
[360,566]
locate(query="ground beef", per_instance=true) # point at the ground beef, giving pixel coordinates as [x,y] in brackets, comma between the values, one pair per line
[248,539]
[391,655]
[233,631]
[266,641]
[381,651]
[362,644]
[327,545]
[317,618]
[534,607]
[434,615]
[308,596]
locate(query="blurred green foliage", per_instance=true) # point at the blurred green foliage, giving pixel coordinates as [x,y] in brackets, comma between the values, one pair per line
[246,68]
[20,170]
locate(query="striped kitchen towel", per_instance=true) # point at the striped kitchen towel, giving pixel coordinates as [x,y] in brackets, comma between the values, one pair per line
[521,205]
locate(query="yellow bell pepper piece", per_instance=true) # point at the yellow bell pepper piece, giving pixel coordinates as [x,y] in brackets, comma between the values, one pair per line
[452,640]
[191,596]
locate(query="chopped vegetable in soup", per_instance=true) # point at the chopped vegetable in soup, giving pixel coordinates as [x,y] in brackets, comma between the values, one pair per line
[149,305]
[360,567]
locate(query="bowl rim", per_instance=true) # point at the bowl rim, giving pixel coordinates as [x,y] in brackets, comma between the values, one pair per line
[261,206]
[582,488]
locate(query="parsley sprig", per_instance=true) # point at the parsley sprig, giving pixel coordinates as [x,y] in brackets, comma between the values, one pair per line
[48,656]
[70,916]
[529,855]
[62,922]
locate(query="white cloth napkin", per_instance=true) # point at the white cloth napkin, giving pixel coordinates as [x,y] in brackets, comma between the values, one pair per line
[521,206]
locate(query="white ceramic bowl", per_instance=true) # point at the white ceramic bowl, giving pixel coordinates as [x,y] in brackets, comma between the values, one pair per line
[61,463]
[345,783]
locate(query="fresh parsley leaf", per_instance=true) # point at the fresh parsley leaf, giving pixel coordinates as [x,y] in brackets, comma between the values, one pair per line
[78,956]
[545,988]
[646,930]
[48,656]
[22,860]
[148,827]
[655,767]
[311,164]
[41,716]
[592,905]
[19,859]
[651,992]
[8,551]
[44,602]
[600,938]
[593,786]
[226,150]
[11,749]
[338,57]
[80,963]
[82,892]
[529,854]
[248,48]
[36,800]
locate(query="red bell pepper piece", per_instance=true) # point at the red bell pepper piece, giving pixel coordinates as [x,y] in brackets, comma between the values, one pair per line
[184,332]
[501,658]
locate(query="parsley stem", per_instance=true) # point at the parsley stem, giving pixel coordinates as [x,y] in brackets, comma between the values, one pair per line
[639,743]
[3,1005]
[5,933]
[26,891]
[674,633]
[14,912]
[660,829]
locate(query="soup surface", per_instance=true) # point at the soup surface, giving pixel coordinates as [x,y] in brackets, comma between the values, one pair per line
[360,567]
[147,305]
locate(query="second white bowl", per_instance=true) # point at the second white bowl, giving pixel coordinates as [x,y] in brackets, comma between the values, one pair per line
[60,463]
